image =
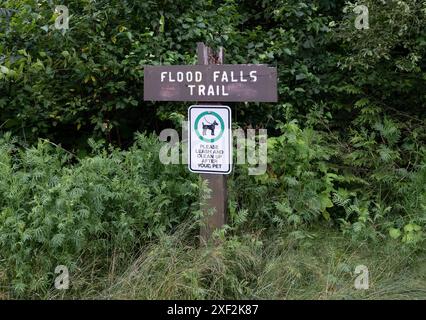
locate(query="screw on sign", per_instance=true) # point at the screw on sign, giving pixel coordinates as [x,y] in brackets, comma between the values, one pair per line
[210,138]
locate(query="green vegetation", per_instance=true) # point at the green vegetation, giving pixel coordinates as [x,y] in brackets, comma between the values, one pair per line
[346,177]
[110,202]
[99,214]
[269,267]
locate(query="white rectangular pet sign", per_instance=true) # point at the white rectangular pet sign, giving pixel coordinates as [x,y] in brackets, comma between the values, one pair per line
[210,139]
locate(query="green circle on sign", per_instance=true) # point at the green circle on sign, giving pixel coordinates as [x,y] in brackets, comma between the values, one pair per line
[222,125]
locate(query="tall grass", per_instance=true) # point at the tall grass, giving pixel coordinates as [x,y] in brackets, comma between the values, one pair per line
[249,266]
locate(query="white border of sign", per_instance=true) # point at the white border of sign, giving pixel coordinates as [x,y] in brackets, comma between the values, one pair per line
[228,133]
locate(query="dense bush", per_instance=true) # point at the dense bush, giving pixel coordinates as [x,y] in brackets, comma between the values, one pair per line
[369,191]
[56,213]
[88,81]
[58,209]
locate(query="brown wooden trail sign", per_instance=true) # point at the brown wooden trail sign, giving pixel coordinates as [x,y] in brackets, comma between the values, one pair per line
[211,82]
[219,83]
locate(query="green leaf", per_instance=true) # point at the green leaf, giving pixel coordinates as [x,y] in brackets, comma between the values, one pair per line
[394,233]
[162,23]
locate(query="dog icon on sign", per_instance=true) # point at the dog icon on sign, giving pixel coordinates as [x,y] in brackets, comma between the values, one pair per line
[209,126]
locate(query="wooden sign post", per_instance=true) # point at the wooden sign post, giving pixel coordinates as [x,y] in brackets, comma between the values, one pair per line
[218,200]
[211,82]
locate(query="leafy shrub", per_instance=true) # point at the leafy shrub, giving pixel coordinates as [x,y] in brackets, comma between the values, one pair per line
[360,183]
[56,213]
[88,81]
[298,184]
